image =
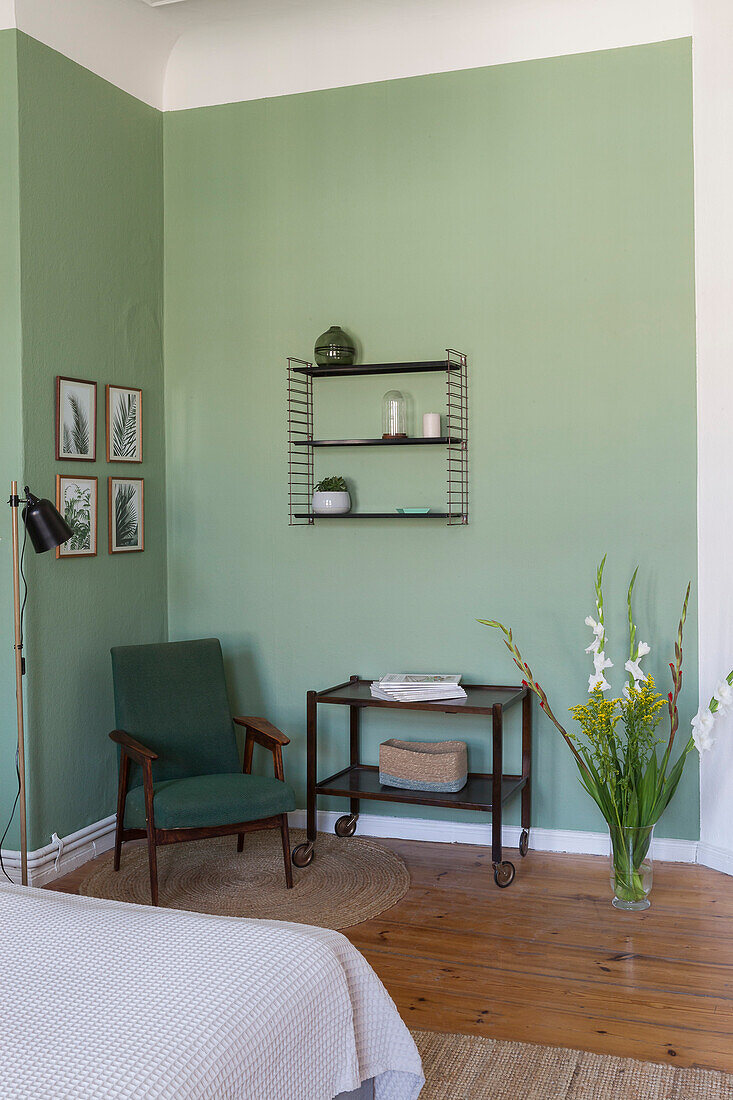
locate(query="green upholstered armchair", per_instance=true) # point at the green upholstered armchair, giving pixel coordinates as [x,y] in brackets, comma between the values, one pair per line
[179,773]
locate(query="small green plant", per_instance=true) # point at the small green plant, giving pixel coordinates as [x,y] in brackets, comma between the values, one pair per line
[333,484]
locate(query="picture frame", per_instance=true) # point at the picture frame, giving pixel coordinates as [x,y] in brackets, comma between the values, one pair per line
[126,504]
[124,423]
[76,500]
[76,419]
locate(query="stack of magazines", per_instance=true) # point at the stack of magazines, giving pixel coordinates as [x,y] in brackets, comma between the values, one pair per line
[417,687]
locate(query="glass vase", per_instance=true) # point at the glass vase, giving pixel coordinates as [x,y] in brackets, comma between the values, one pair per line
[394,415]
[334,348]
[631,866]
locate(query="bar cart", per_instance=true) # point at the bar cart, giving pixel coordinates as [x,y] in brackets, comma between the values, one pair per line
[485,792]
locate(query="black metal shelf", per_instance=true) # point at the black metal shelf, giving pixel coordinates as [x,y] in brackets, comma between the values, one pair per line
[410,441]
[378,368]
[302,447]
[379,515]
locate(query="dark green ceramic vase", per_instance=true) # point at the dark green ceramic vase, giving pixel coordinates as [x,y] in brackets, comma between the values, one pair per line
[334,349]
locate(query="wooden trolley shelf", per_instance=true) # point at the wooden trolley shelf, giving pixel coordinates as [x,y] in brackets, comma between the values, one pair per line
[483,791]
[362,781]
[480,698]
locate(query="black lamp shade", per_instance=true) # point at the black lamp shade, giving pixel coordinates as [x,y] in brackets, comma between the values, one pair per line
[45,525]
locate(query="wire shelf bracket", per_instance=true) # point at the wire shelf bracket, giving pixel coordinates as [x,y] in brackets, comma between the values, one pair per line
[300,430]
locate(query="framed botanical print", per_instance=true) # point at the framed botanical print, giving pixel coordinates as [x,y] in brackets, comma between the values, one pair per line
[126,515]
[124,419]
[76,419]
[76,500]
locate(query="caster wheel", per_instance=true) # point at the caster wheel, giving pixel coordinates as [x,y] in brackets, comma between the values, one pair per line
[303,854]
[524,843]
[345,826]
[504,874]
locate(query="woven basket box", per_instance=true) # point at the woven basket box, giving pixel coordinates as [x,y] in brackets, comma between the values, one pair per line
[423,765]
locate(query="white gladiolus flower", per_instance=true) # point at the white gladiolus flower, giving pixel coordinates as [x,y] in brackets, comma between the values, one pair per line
[633,668]
[702,725]
[642,650]
[598,630]
[724,695]
[601,661]
[599,680]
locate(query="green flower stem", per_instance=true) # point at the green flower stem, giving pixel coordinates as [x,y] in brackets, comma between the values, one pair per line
[676,668]
[633,650]
[599,602]
[532,684]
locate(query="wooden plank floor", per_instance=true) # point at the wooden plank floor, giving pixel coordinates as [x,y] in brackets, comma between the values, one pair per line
[549,960]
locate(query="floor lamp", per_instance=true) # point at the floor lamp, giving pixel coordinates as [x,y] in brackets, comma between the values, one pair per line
[47,529]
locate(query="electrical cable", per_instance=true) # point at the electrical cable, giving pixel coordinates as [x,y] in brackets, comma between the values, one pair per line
[22,658]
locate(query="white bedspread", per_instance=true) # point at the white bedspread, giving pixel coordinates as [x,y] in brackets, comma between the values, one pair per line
[102,1000]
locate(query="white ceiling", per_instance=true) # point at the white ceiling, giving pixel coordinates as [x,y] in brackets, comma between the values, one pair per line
[176,54]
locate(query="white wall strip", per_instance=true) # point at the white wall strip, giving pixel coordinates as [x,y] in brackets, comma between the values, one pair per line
[720,859]
[54,860]
[463,832]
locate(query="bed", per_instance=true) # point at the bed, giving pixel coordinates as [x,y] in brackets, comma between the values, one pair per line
[105,1000]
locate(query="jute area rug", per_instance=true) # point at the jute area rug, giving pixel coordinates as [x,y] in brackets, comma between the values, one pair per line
[465,1067]
[349,881]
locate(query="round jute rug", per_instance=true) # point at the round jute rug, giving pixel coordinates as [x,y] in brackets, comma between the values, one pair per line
[349,881]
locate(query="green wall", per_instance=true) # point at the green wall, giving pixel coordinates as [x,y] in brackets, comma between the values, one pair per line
[10,408]
[91,232]
[539,217]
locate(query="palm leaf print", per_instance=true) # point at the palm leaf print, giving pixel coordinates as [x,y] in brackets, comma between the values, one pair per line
[77,513]
[124,427]
[126,520]
[79,430]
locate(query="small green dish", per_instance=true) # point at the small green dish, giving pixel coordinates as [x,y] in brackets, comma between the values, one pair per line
[413,511]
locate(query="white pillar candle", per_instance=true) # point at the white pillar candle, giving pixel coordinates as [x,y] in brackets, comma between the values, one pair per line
[431,425]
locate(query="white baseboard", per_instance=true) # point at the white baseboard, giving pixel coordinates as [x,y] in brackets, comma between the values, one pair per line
[464,832]
[717,858]
[61,856]
[56,859]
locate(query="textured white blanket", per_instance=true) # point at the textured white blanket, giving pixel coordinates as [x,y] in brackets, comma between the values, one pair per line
[103,1000]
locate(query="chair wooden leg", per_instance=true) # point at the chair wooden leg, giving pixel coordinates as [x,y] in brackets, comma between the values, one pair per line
[153,864]
[285,836]
[121,799]
[150,824]
[240,842]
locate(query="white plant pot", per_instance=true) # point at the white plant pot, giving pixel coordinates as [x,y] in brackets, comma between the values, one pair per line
[331,504]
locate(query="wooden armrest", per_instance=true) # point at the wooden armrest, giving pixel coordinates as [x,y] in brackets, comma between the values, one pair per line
[268,734]
[133,748]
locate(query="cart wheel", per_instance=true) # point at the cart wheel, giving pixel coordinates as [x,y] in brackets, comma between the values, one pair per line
[504,874]
[524,843]
[345,826]
[303,854]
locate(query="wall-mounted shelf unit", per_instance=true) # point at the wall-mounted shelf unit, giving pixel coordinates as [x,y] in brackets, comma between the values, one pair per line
[436,441]
[379,515]
[301,444]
